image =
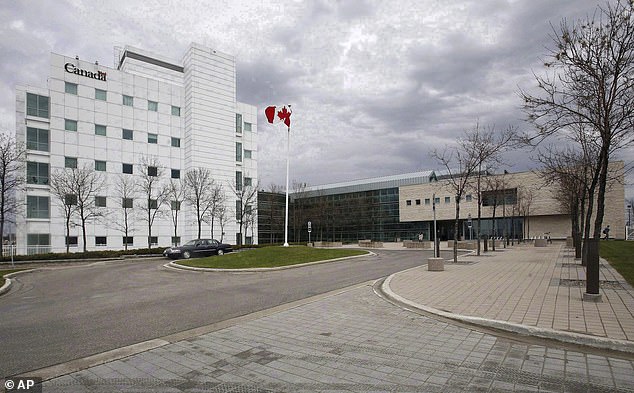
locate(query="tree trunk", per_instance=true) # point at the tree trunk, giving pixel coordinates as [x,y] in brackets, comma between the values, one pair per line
[455,236]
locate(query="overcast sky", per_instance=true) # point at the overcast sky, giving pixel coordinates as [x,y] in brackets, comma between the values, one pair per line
[374,85]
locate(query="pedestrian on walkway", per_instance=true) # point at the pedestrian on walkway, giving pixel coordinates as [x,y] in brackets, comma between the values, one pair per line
[606,232]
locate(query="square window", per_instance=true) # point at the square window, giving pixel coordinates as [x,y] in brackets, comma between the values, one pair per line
[101,95]
[152,138]
[469,198]
[70,162]
[128,240]
[71,241]
[127,203]
[128,100]
[427,201]
[176,142]
[248,182]
[447,199]
[70,88]
[152,204]
[418,202]
[127,168]
[100,201]
[36,139]
[176,110]
[37,207]
[70,125]
[176,240]
[247,153]
[100,166]
[247,126]
[176,173]
[153,240]
[37,173]
[436,200]
[152,106]
[238,123]
[408,202]
[37,105]
[101,241]
[176,205]
[100,130]
[152,171]
[70,199]
[127,134]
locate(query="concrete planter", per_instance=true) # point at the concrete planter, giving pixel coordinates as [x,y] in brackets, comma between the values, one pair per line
[435,264]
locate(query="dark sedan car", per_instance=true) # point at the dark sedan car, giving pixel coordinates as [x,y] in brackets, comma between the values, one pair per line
[197,248]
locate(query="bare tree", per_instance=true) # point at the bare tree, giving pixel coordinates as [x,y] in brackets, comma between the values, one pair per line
[153,192]
[223,219]
[125,191]
[493,196]
[86,184]
[176,196]
[61,184]
[12,156]
[246,199]
[199,188]
[217,199]
[525,198]
[460,165]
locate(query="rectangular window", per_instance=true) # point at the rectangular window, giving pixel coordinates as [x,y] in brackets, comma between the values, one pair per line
[469,198]
[128,240]
[418,202]
[101,95]
[248,182]
[128,101]
[176,205]
[152,106]
[154,240]
[176,240]
[70,162]
[238,152]
[176,173]
[408,202]
[38,243]
[152,171]
[247,126]
[427,201]
[100,201]
[37,207]
[70,125]
[152,138]
[247,154]
[101,241]
[447,199]
[100,130]
[36,172]
[238,210]
[436,200]
[36,139]
[127,168]
[176,142]
[37,105]
[70,199]
[176,110]
[71,241]
[127,203]
[127,134]
[100,166]
[238,123]
[238,180]
[152,204]
[70,88]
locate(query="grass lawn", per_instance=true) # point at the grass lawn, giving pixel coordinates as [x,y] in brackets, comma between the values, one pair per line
[270,257]
[620,254]
[3,272]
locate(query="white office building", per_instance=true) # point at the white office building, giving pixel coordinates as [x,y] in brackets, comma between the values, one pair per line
[172,116]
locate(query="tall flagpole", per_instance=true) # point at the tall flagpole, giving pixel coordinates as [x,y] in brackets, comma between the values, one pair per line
[288,153]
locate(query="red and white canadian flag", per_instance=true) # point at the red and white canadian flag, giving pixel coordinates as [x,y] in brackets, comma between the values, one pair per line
[276,114]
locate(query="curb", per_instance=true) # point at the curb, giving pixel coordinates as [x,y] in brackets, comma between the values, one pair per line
[174,265]
[7,285]
[524,330]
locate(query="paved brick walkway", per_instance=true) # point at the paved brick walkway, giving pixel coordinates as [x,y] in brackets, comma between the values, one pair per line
[352,342]
[534,286]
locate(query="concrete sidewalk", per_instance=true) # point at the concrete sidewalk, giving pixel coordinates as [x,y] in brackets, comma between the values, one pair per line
[528,290]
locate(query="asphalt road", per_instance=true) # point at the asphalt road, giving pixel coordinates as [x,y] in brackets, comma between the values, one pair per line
[53,316]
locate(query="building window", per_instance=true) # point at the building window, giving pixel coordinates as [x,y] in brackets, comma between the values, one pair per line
[38,243]
[152,106]
[408,202]
[36,172]
[70,199]
[238,152]
[127,134]
[447,199]
[128,240]
[100,130]
[176,205]
[128,101]
[37,207]
[152,138]
[154,240]
[36,139]
[152,171]
[70,88]
[176,142]
[127,203]
[247,126]
[127,168]
[238,180]
[176,173]
[70,125]
[100,166]
[468,198]
[238,123]
[36,105]
[101,95]
[70,162]
[71,241]
[176,110]
[101,241]
[238,209]
[427,201]
[176,240]
[248,182]
[247,154]
[418,202]
[436,200]
[100,201]
[152,204]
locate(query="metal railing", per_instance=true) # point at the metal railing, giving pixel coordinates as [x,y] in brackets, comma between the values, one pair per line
[629,232]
